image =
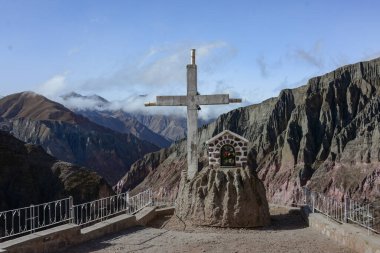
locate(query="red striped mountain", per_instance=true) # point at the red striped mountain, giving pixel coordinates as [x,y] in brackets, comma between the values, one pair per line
[325,134]
[71,137]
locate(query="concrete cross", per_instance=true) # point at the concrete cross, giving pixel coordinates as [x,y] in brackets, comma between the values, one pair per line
[192,101]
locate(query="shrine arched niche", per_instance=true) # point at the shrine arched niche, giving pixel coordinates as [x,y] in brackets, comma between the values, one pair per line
[227,149]
[227,156]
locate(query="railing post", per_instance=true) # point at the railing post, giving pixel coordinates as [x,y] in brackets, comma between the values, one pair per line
[345,210]
[305,198]
[71,209]
[368,218]
[31,218]
[151,196]
[127,205]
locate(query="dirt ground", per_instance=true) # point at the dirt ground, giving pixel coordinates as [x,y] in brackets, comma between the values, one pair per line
[287,233]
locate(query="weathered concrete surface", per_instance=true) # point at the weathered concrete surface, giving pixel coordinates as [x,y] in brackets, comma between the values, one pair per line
[192,122]
[233,197]
[165,211]
[146,215]
[348,235]
[50,240]
[110,226]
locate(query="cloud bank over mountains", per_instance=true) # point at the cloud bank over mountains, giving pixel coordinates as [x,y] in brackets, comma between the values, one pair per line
[135,104]
[159,71]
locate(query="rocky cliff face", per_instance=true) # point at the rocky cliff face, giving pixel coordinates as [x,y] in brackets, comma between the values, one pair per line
[28,175]
[71,137]
[324,135]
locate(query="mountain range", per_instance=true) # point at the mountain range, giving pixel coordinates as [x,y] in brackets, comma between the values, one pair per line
[70,137]
[324,135]
[117,120]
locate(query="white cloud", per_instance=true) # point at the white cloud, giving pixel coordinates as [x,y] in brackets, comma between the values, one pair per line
[131,104]
[135,104]
[161,67]
[80,103]
[159,71]
[54,86]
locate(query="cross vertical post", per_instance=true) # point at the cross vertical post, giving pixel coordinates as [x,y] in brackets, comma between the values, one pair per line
[192,118]
[192,100]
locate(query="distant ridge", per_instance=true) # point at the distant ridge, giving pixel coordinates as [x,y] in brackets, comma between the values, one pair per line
[98,110]
[69,136]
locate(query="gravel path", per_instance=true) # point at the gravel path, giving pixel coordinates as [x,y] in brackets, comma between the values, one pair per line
[288,233]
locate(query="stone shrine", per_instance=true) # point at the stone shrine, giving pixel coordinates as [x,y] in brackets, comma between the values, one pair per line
[227,192]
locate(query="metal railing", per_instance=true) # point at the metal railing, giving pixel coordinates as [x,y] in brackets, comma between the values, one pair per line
[164,197]
[326,205]
[98,210]
[18,222]
[366,215]
[139,201]
[35,217]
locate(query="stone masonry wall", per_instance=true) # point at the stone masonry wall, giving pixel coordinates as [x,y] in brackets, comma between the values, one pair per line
[239,145]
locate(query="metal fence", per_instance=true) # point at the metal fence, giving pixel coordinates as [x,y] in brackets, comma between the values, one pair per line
[366,215]
[30,219]
[35,217]
[164,197]
[98,210]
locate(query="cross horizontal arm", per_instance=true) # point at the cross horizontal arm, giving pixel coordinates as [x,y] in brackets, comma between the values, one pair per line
[212,99]
[215,99]
[171,101]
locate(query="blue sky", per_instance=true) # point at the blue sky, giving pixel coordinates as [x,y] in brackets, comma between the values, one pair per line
[121,49]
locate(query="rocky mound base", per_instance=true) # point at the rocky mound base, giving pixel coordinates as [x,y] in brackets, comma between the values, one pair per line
[233,197]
